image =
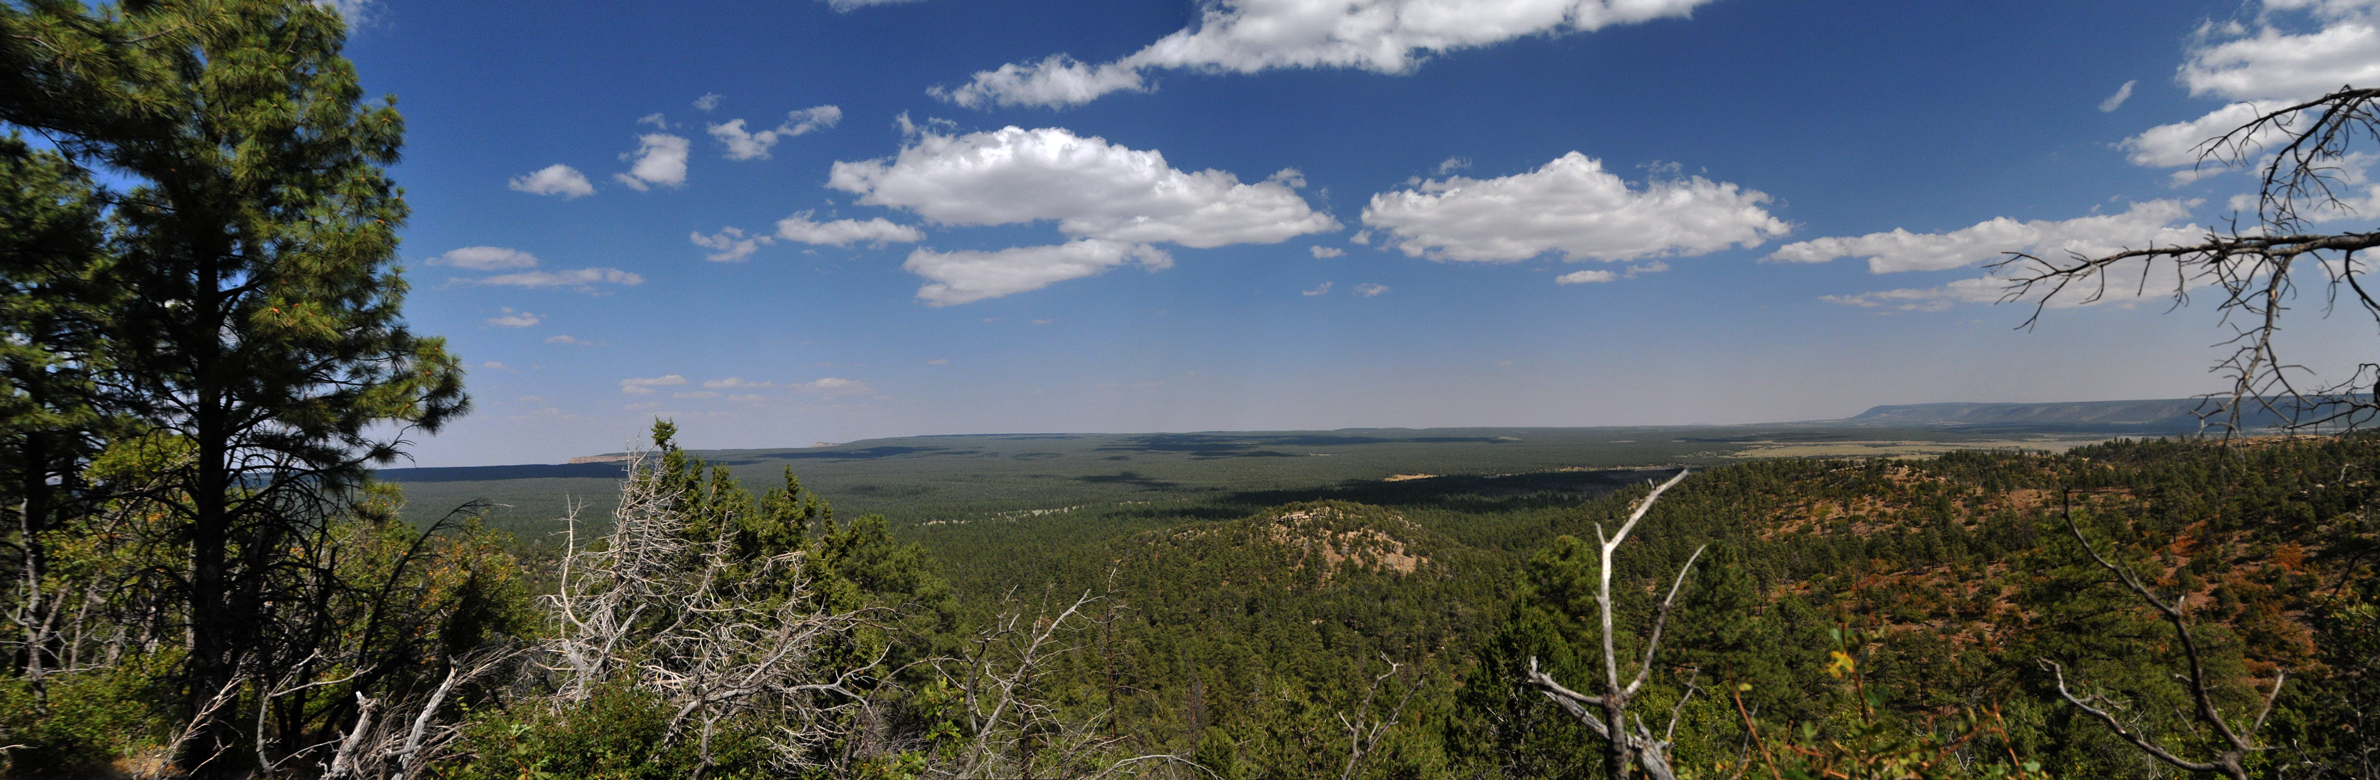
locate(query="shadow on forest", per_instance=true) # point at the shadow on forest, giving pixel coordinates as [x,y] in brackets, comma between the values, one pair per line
[1132,478]
[1450,492]
[871,453]
[1206,445]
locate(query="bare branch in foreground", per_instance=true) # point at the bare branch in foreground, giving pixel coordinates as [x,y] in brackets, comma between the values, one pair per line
[1626,746]
[1364,733]
[2305,159]
[2236,745]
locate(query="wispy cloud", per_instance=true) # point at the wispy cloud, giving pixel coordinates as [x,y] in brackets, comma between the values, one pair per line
[646,385]
[514,319]
[2116,100]
[1248,36]
[582,279]
[847,6]
[1369,290]
[731,244]
[2159,222]
[750,145]
[835,386]
[2149,222]
[845,232]
[967,276]
[1653,267]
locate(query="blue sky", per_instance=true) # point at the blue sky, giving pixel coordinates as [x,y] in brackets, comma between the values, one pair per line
[784,222]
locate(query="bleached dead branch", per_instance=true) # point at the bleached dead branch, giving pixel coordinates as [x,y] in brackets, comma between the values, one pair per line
[1626,747]
[666,608]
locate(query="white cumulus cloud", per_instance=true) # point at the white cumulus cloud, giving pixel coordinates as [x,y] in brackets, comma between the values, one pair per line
[845,232]
[1322,290]
[1368,289]
[708,101]
[2182,143]
[968,276]
[747,145]
[2156,222]
[1326,252]
[660,158]
[730,244]
[556,179]
[645,385]
[2292,50]
[2279,58]
[1585,277]
[1246,36]
[1573,206]
[1091,188]
[485,258]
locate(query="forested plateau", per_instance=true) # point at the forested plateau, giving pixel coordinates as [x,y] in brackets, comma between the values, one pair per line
[1875,617]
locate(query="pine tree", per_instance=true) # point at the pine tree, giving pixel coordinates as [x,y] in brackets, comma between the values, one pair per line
[53,291]
[256,236]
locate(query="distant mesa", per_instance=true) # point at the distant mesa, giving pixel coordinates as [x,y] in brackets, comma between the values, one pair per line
[608,457]
[2161,416]
[822,444]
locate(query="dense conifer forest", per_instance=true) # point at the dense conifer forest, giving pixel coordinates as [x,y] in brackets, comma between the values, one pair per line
[1868,618]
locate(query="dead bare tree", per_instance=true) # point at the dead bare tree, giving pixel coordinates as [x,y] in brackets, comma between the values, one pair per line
[410,735]
[2302,154]
[679,616]
[1016,730]
[1626,745]
[1365,731]
[2236,743]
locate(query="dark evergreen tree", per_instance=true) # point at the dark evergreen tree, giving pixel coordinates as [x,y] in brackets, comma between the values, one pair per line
[255,232]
